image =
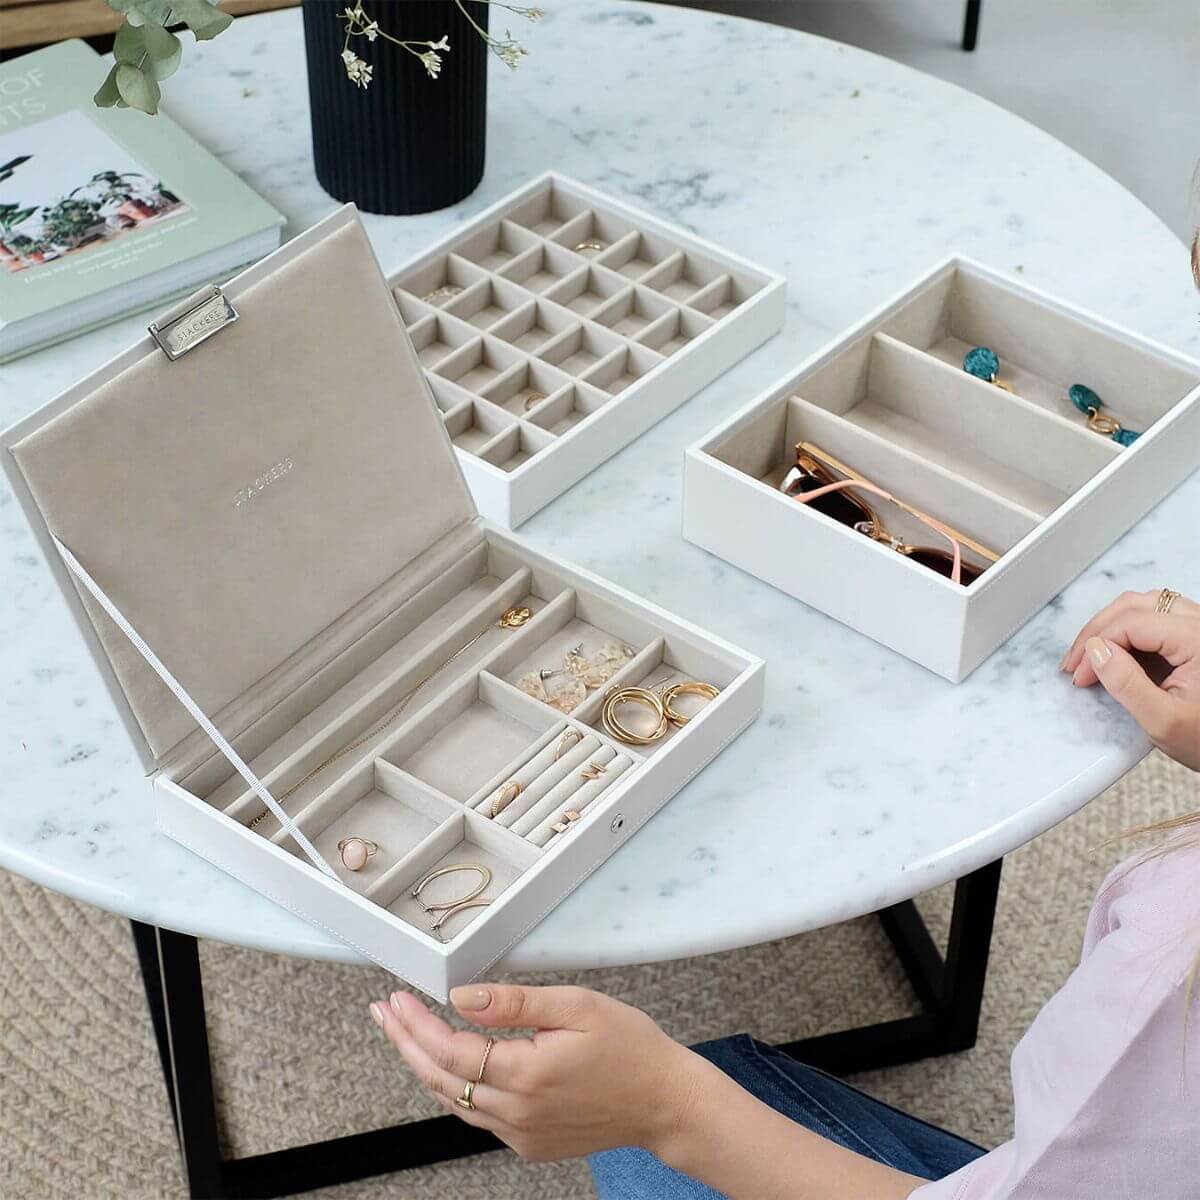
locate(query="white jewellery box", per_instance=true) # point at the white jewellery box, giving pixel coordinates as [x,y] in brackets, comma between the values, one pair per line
[264,534]
[560,325]
[1014,470]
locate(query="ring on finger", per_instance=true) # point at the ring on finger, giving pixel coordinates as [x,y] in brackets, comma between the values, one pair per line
[487,1053]
[466,1099]
[1166,598]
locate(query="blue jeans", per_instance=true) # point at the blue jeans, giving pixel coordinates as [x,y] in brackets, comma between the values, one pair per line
[810,1098]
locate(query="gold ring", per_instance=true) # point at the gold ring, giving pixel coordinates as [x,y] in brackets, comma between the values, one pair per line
[1166,598]
[355,851]
[465,1100]
[505,796]
[534,398]
[690,688]
[487,1053]
[590,244]
[485,877]
[570,737]
[633,695]
[593,771]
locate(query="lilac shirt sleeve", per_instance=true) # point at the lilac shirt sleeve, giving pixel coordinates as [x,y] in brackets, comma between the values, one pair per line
[1106,1083]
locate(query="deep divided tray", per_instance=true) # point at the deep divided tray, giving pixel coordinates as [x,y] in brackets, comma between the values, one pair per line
[560,324]
[1018,471]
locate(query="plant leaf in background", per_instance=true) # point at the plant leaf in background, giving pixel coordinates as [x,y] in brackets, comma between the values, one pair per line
[146,51]
[201,17]
[139,89]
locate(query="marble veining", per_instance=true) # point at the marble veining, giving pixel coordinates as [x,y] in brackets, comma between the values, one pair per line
[867,779]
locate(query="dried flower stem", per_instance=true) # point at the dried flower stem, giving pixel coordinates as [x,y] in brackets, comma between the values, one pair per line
[359,24]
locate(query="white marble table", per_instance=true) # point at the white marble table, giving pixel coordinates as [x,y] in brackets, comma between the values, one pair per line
[867,780]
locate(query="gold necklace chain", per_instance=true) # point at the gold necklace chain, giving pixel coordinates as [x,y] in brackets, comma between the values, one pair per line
[511,618]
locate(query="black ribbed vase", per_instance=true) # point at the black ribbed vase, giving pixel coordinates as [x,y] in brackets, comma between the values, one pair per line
[406,143]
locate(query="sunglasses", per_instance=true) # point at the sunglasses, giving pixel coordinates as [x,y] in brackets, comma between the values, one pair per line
[832,488]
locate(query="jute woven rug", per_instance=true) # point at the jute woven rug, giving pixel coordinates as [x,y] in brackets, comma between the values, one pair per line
[83,1112]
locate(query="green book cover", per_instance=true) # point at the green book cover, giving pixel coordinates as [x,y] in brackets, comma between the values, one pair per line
[93,199]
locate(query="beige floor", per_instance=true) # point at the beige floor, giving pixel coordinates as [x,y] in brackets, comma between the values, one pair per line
[83,1114]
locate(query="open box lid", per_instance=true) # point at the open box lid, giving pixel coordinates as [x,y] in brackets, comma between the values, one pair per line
[235,500]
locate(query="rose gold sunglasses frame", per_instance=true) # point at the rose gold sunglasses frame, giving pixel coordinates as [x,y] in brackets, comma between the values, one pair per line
[820,464]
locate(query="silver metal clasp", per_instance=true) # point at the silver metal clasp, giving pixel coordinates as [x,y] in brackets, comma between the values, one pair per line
[209,315]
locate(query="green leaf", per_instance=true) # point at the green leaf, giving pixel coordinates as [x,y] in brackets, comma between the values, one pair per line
[129,46]
[139,89]
[108,95]
[202,18]
[164,50]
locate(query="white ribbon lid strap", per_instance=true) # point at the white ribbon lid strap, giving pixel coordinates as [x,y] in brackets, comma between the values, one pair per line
[76,568]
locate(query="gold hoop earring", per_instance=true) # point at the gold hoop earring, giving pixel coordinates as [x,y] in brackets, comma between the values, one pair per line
[691,687]
[633,695]
[485,877]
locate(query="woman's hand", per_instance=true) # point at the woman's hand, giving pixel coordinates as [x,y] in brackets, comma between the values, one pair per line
[1168,711]
[597,1074]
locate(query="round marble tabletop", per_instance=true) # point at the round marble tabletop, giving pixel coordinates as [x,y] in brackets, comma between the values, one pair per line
[866,780]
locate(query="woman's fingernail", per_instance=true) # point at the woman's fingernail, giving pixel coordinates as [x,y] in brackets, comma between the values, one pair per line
[377,1013]
[394,1001]
[1062,666]
[1098,652]
[468,999]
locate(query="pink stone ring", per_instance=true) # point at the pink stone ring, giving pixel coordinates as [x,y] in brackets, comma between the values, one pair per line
[355,851]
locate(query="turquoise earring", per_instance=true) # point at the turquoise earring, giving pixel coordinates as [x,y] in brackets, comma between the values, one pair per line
[984,363]
[1090,404]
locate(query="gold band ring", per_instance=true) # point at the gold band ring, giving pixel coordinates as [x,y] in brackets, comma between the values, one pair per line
[1166,598]
[570,737]
[593,771]
[689,688]
[465,1100]
[534,398]
[505,796]
[487,1053]
[633,695]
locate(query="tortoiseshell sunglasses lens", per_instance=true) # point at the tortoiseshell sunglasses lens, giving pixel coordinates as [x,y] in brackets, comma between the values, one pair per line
[841,506]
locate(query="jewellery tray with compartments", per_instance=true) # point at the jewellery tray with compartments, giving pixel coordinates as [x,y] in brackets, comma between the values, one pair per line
[1020,473]
[280,516]
[558,291]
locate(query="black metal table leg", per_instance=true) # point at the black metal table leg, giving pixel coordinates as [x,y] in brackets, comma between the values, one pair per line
[170,964]
[950,991]
[971,25]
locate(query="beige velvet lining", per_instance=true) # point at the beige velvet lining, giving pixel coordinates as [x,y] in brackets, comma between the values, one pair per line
[201,494]
[533,308]
[896,406]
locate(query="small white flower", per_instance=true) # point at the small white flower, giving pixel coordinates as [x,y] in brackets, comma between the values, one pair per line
[510,52]
[357,71]
[371,29]
[432,62]
[442,44]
